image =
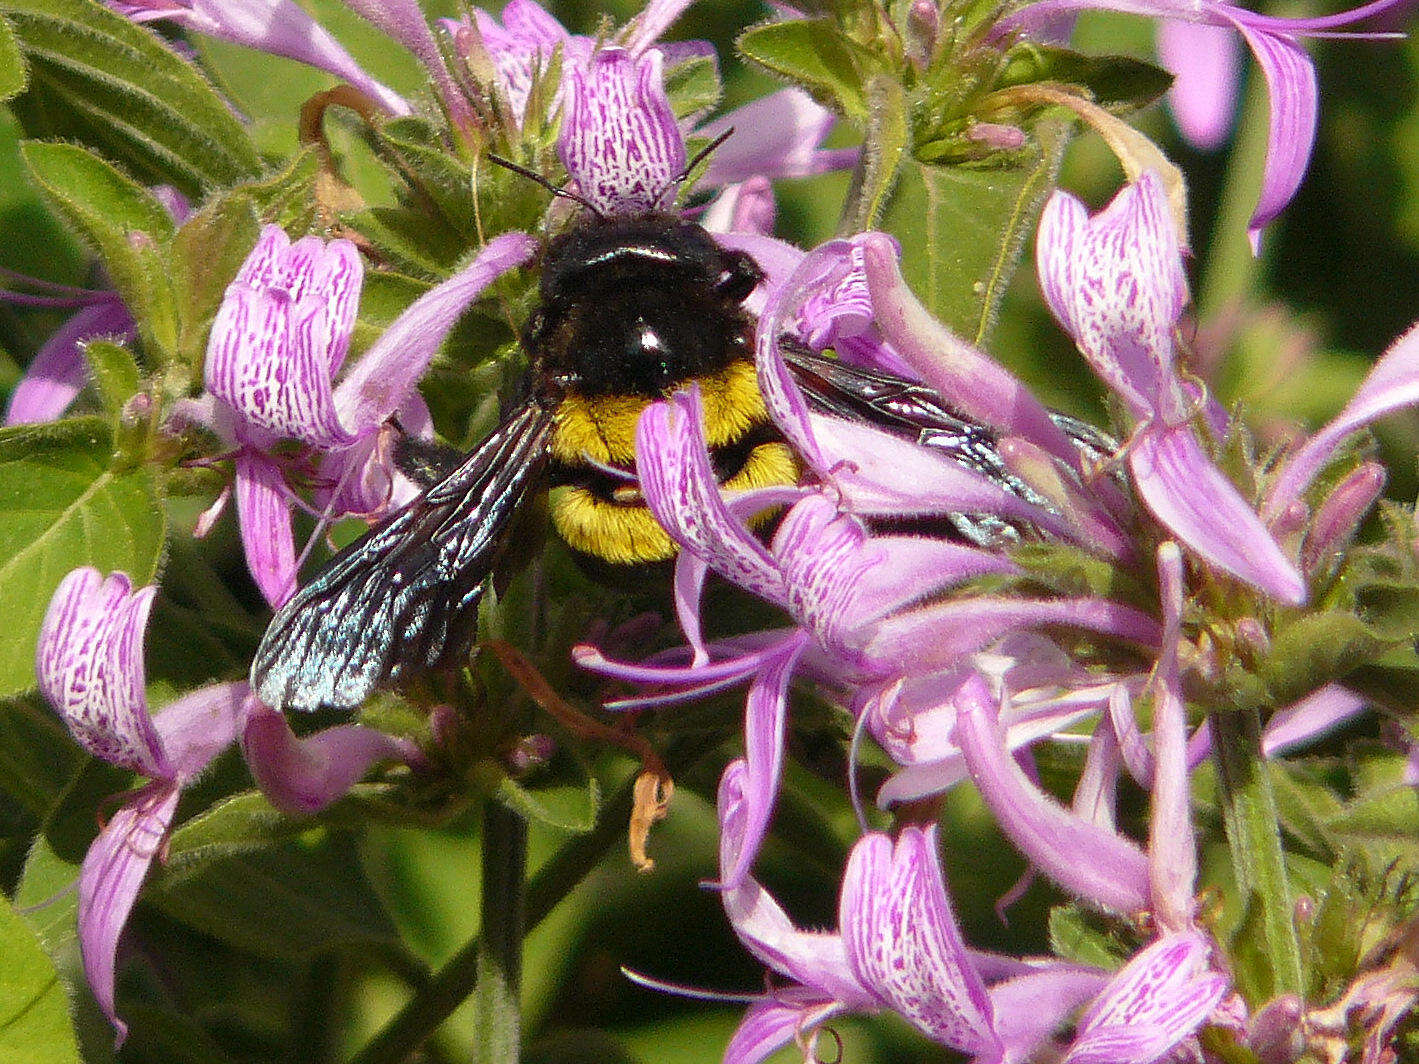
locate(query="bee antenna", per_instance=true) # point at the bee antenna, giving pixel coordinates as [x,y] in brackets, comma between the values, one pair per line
[700,157]
[533,175]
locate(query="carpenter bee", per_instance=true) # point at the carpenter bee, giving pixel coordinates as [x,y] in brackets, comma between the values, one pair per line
[632,308]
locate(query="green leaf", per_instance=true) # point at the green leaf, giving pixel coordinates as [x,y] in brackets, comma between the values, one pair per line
[693,86]
[34,1010]
[241,824]
[14,76]
[101,80]
[1073,936]
[45,893]
[815,54]
[116,375]
[1114,81]
[121,221]
[1314,650]
[286,903]
[443,181]
[62,506]
[206,254]
[37,757]
[963,229]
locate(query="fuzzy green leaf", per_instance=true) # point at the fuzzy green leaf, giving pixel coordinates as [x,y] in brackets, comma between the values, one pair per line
[206,254]
[14,75]
[62,506]
[963,229]
[34,1010]
[116,375]
[37,757]
[125,225]
[1116,82]
[814,54]
[103,81]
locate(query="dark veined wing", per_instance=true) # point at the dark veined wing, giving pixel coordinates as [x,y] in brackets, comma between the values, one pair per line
[914,410]
[405,596]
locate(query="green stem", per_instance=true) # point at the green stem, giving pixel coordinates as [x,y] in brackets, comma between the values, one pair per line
[498,989]
[1230,270]
[456,980]
[1254,840]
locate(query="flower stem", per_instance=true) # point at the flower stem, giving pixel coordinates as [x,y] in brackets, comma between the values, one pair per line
[1254,840]
[497,993]
[1230,270]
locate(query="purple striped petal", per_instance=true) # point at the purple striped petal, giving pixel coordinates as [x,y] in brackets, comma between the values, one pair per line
[283,329]
[1155,1001]
[774,1022]
[264,515]
[682,492]
[904,944]
[765,721]
[278,27]
[89,661]
[1094,864]
[1201,507]
[109,881]
[815,959]
[1116,284]
[58,371]
[1206,64]
[1391,385]
[619,140]
[973,382]
[305,775]
[1292,95]
[390,370]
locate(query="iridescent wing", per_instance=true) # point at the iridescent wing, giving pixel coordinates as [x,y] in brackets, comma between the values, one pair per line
[404,598]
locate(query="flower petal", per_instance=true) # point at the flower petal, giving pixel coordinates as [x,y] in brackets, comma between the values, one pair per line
[383,378]
[405,22]
[109,881]
[89,661]
[1092,863]
[1155,1001]
[1206,64]
[765,722]
[1201,507]
[305,775]
[264,516]
[1391,385]
[745,207]
[619,140]
[199,726]
[1031,1007]
[282,330]
[681,491]
[904,944]
[774,1022]
[58,371]
[776,136]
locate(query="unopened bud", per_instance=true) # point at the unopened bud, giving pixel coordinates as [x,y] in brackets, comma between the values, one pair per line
[996,136]
[528,753]
[1253,635]
[923,29]
[1275,1033]
[1341,513]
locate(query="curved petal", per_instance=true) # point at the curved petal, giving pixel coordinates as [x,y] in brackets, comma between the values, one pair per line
[383,378]
[109,881]
[681,491]
[199,726]
[777,136]
[306,775]
[744,207]
[1206,64]
[58,371]
[904,944]
[1201,507]
[89,661]
[405,22]
[973,382]
[774,1022]
[619,140]
[1092,863]
[264,516]
[1391,385]
[1031,1007]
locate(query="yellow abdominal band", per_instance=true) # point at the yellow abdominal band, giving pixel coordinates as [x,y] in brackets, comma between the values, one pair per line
[619,529]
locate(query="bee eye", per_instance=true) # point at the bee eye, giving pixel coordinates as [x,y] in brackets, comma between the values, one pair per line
[740,276]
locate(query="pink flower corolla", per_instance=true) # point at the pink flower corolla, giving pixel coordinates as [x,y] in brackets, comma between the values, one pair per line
[278,340]
[278,27]
[1115,282]
[89,662]
[898,947]
[1197,42]
[866,608]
